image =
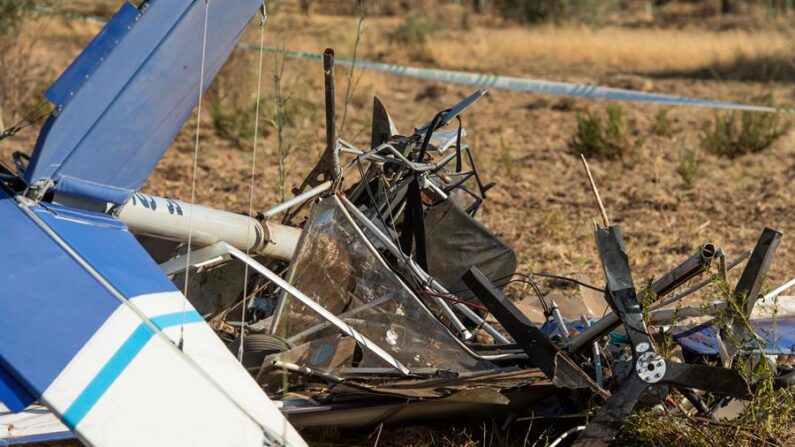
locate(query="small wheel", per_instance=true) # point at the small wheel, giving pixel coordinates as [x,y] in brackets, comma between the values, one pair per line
[258,346]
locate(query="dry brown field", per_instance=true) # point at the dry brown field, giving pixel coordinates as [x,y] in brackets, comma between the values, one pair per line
[542,204]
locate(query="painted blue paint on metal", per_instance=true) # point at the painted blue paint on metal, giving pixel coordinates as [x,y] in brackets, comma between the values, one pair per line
[118,125]
[106,376]
[84,216]
[100,384]
[75,187]
[92,56]
[778,336]
[12,394]
[50,306]
[104,242]
[176,319]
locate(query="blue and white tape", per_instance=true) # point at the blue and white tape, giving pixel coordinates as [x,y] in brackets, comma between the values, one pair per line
[529,85]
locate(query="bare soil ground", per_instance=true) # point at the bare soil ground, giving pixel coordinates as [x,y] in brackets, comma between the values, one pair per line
[542,204]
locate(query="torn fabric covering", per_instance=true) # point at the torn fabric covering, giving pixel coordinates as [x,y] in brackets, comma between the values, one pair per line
[456,242]
[124,99]
[334,265]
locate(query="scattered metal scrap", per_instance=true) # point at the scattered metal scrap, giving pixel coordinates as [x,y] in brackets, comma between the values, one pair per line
[378,298]
[391,309]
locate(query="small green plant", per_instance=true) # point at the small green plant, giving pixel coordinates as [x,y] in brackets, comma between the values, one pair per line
[766,417]
[350,87]
[591,12]
[604,138]
[235,124]
[662,124]
[20,30]
[689,166]
[414,31]
[737,133]
[506,156]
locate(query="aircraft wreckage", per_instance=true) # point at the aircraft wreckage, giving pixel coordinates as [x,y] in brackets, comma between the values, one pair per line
[372,296]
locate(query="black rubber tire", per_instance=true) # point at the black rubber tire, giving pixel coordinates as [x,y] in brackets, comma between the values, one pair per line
[258,346]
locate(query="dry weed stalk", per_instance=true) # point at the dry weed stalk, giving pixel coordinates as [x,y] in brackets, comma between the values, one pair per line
[351,85]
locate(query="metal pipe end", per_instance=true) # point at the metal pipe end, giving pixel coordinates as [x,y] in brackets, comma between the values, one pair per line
[708,251]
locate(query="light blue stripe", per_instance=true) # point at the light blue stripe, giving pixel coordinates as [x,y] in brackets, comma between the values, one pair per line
[119,362]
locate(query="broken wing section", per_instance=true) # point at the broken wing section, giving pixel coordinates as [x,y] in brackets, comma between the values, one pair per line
[335,265]
[89,327]
[124,99]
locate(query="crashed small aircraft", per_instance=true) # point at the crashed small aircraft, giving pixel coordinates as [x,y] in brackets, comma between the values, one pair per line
[376,297]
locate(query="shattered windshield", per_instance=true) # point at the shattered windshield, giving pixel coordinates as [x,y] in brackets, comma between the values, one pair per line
[337,267]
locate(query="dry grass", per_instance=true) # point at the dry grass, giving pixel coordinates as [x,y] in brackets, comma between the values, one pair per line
[542,204]
[519,50]
[630,50]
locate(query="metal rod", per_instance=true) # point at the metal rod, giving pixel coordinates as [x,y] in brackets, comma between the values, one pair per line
[222,248]
[669,281]
[425,277]
[297,200]
[440,302]
[305,370]
[295,339]
[328,77]
[595,191]
[597,358]
[562,329]
[703,283]
[779,290]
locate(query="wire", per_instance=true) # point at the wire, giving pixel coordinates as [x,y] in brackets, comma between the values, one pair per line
[537,290]
[456,300]
[27,121]
[195,169]
[241,349]
[551,276]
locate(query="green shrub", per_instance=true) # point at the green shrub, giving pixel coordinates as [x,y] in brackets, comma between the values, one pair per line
[414,30]
[662,124]
[604,138]
[593,12]
[20,81]
[689,166]
[236,125]
[737,133]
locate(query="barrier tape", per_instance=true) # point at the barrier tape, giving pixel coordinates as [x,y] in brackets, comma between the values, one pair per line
[513,83]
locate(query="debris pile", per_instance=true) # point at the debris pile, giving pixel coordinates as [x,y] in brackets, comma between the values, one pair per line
[373,296]
[391,307]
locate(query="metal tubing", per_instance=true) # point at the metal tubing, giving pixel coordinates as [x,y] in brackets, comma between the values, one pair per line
[297,200]
[597,358]
[305,370]
[221,249]
[170,219]
[669,281]
[702,284]
[296,339]
[562,329]
[440,302]
[328,77]
[777,291]
[425,277]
